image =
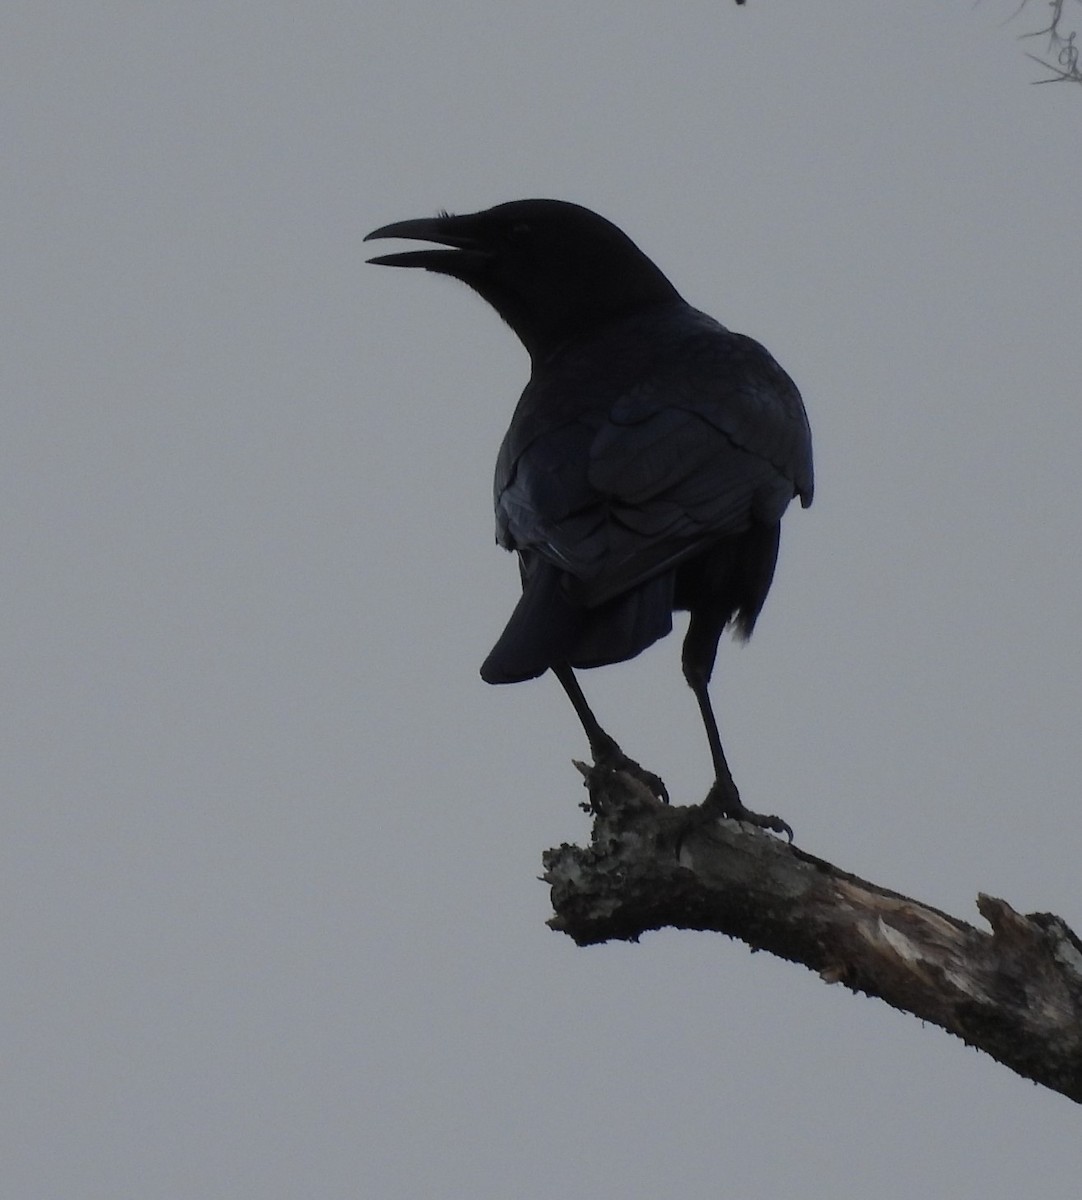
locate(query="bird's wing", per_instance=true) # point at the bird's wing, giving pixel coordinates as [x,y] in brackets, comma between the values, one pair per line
[735,386]
[708,440]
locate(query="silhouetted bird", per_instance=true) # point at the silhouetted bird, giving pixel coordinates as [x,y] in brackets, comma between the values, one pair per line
[647,466]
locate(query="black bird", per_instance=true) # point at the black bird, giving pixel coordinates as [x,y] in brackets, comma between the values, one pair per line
[647,466]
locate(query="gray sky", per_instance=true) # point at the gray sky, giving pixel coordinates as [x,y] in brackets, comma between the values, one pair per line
[272,926]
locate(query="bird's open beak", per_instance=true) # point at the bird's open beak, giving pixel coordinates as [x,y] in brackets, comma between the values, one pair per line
[445,231]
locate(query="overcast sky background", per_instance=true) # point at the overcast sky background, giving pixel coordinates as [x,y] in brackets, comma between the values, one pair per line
[271,919]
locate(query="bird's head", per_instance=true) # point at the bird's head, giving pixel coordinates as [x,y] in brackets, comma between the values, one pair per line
[554,271]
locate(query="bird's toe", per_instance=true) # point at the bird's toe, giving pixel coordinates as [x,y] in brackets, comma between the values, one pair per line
[612,758]
[722,801]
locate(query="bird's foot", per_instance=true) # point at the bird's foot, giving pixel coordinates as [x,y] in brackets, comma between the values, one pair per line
[609,757]
[724,801]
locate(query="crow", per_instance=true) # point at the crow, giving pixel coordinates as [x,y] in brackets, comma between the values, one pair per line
[647,465]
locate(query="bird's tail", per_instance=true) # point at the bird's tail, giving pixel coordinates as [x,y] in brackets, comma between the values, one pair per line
[542,630]
[548,626]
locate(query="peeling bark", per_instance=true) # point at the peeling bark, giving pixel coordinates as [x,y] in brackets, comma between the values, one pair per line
[1015,992]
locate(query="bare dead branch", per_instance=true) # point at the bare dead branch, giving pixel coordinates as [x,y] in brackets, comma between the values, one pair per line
[1015,992]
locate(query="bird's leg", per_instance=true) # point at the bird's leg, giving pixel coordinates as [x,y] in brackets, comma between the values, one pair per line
[723,799]
[605,750]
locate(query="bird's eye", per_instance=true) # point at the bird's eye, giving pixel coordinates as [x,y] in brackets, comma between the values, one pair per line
[518,233]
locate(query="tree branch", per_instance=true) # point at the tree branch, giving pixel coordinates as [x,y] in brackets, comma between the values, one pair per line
[1015,993]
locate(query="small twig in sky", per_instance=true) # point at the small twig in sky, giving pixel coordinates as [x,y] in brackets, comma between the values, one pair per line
[1062,46]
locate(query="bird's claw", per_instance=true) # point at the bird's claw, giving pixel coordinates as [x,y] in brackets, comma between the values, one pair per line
[724,802]
[614,759]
